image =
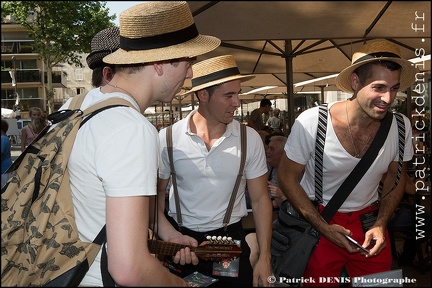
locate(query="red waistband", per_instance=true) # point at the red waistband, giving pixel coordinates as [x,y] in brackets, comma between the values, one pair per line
[372,207]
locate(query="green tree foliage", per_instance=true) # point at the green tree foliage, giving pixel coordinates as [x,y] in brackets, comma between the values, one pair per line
[61,30]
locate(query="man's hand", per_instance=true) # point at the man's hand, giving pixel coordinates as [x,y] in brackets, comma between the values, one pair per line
[185,255]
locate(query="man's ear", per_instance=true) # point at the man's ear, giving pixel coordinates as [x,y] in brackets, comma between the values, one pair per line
[355,81]
[202,95]
[158,66]
[107,74]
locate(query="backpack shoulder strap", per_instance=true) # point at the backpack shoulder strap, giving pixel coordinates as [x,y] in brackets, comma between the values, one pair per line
[77,101]
[110,102]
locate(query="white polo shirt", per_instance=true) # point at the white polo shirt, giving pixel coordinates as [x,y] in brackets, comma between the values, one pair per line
[205,179]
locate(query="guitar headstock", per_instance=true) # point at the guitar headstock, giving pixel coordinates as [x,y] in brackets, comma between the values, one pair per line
[218,248]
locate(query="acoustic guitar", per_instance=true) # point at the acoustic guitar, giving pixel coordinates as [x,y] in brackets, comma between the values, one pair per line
[214,249]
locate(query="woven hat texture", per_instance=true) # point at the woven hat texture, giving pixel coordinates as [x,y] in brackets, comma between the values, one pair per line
[214,71]
[374,51]
[159,30]
[103,43]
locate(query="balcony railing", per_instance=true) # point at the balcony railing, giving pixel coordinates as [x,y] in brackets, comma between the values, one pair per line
[31,75]
[57,78]
[17,47]
[22,76]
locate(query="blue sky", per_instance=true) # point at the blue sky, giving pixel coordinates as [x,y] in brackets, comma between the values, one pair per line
[116,7]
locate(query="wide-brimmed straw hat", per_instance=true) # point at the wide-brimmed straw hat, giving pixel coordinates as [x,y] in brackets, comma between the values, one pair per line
[215,71]
[374,51]
[159,30]
[103,43]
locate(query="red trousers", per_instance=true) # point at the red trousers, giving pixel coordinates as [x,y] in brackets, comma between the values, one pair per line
[328,259]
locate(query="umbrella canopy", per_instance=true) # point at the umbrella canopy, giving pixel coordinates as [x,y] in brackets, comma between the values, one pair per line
[287,42]
[317,37]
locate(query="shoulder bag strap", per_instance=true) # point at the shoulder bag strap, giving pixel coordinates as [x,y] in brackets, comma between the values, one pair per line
[243,151]
[359,170]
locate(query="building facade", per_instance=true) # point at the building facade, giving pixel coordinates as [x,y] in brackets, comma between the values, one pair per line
[23,75]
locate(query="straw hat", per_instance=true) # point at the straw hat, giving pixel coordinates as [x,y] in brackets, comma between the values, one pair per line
[159,30]
[214,71]
[374,51]
[103,43]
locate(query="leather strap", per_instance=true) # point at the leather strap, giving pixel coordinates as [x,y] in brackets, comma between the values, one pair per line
[239,175]
[173,175]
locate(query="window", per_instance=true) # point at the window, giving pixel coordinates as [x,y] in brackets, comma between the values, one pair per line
[79,74]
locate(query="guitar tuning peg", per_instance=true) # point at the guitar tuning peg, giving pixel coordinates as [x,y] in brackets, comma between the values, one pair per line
[208,237]
[213,238]
[219,239]
[224,238]
[229,239]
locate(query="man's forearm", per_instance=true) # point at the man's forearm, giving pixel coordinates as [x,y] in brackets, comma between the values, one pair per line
[390,201]
[263,226]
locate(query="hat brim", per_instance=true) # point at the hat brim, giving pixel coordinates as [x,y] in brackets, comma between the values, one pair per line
[94,59]
[242,78]
[407,77]
[192,48]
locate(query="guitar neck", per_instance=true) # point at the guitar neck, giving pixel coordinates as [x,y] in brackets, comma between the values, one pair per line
[165,248]
[215,249]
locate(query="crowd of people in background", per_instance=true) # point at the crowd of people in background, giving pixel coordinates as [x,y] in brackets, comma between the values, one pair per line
[30,131]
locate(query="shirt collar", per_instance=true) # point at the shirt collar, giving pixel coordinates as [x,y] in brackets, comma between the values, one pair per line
[232,128]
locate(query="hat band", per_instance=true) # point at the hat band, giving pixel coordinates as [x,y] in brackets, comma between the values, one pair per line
[159,41]
[215,76]
[108,51]
[376,55]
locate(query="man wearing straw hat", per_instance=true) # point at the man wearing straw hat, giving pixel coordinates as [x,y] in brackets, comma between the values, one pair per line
[206,157]
[114,160]
[377,73]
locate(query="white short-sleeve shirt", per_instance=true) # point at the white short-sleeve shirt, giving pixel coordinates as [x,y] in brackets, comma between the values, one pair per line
[114,154]
[338,163]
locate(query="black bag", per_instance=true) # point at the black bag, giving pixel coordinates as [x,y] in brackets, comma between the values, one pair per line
[291,232]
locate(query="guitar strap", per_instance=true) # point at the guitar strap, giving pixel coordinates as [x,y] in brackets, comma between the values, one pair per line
[243,140]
